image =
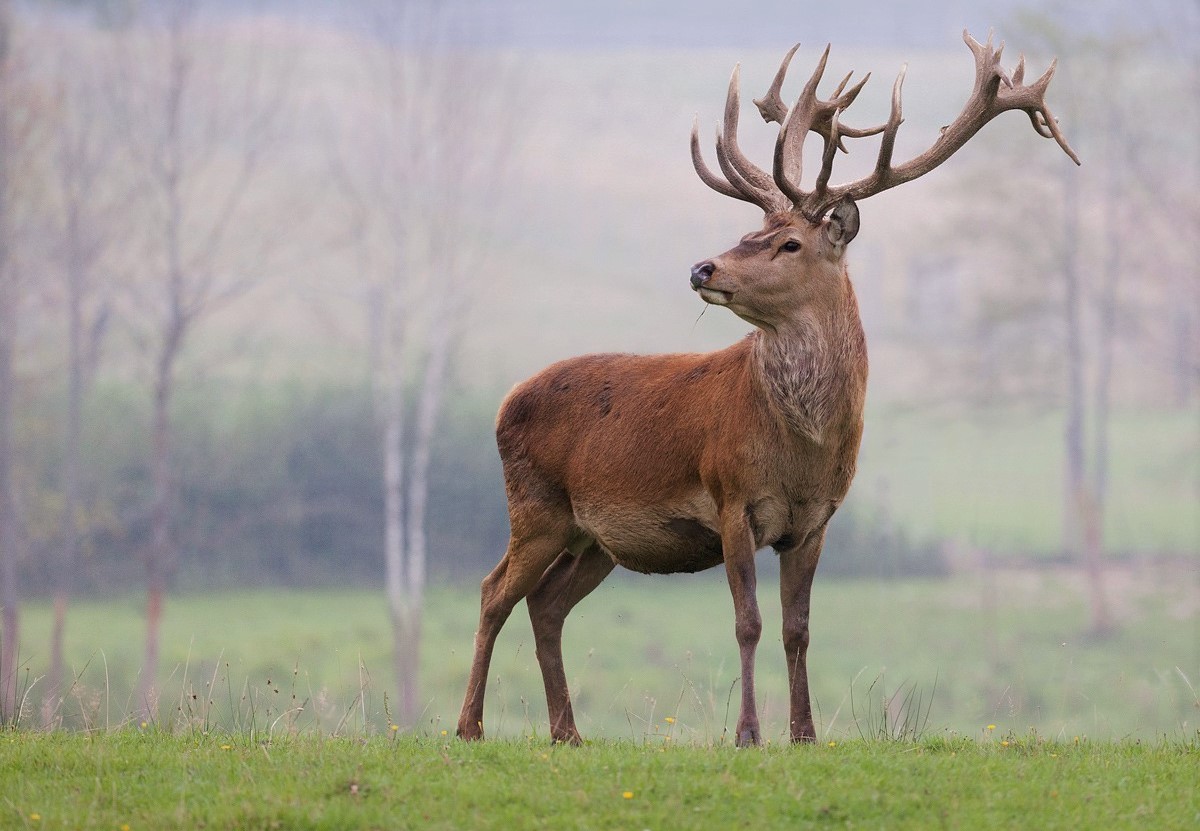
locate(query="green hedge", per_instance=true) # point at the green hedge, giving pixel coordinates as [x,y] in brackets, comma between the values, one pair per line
[282,486]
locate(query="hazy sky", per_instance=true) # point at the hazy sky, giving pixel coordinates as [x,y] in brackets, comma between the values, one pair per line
[766,23]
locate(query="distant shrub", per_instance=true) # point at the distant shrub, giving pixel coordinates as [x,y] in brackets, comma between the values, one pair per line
[859,545]
[282,485]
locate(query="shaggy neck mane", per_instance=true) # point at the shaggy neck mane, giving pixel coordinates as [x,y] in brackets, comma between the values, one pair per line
[810,371]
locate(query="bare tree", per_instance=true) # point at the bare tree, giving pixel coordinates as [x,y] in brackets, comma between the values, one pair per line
[1075,299]
[20,112]
[83,226]
[199,105]
[1100,223]
[420,173]
[9,636]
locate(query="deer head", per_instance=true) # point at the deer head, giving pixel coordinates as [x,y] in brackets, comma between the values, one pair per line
[798,254]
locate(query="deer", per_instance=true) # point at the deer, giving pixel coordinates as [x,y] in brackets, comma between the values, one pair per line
[676,463]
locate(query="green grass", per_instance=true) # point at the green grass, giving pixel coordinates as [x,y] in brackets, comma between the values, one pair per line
[1002,648]
[146,779]
[997,483]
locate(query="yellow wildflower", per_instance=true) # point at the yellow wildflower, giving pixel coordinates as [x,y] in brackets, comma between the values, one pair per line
[627,795]
[669,719]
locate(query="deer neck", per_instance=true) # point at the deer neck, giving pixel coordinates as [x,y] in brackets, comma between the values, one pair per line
[812,370]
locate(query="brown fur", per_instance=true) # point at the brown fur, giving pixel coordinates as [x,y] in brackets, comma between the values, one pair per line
[676,463]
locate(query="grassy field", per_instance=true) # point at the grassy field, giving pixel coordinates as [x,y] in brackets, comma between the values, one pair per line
[966,703]
[135,779]
[996,483]
[1003,648]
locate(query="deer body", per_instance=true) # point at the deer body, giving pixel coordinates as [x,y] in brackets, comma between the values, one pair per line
[645,453]
[678,463]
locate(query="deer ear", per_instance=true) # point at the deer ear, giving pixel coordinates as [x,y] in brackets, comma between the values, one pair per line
[843,222]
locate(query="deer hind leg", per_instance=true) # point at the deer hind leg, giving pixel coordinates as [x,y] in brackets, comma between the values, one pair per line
[523,564]
[569,580]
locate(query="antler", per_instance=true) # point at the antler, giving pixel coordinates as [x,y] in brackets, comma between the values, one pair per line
[995,91]
[746,181]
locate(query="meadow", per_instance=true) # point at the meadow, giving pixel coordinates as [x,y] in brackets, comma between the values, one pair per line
[148,779]
[970,702]
[655,657]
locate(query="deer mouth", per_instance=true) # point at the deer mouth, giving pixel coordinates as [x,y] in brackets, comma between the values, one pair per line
[714,296]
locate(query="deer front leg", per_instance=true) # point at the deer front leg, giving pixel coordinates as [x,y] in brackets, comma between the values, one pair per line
[737,540]
[796,570]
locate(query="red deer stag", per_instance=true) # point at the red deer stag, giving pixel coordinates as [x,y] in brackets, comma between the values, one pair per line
[677,463]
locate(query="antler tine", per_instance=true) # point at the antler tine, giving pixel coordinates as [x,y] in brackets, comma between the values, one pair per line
[1032,99]
[887,144]
[781,160]
[767,200]
[1051,124]
[845,81]
[831,145]
[816,203]
[707,176]
[737,168]
[810,89]
[1039,124]
[999,68]
[771,105]
[994,92]
[789,144]
[844,101]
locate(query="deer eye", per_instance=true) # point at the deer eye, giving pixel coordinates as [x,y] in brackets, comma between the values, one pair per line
[790,245]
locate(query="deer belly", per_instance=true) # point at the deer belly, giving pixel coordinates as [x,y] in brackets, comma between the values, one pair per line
[654,541]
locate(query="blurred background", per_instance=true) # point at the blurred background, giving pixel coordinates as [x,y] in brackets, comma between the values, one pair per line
[268,268]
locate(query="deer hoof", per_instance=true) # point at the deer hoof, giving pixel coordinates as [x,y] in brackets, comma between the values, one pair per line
[749,736]
[804,734]
[470,733]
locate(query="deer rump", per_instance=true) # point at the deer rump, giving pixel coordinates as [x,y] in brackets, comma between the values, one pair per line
[627,450]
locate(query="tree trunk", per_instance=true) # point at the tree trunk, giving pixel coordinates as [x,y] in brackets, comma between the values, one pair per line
[393,494]
[1102,623]
[1081,530]
[429,406]
[10,618]
[393,544]
[159,553]
[406,654]
[396,570]
[68,523]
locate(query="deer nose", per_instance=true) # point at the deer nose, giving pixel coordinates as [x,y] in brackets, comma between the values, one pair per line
[702,272]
